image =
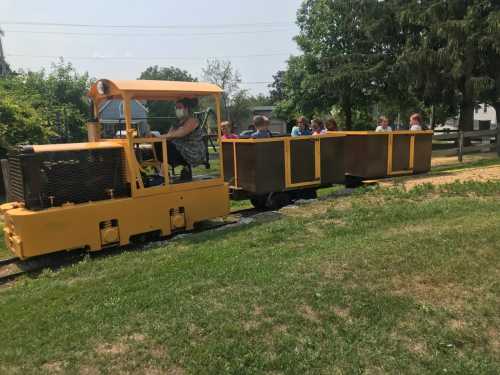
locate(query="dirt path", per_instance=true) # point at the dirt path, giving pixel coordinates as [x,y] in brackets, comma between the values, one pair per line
[489,173]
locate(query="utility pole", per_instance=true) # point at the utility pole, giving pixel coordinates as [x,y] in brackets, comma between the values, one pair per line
[4,67]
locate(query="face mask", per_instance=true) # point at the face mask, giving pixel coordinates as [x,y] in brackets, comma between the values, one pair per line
[179,112]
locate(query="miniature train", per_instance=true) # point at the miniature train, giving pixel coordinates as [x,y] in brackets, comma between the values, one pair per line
[99,194]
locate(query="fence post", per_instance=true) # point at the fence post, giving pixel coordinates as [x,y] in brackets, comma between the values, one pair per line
[6,179]
[460,145]
[498,139]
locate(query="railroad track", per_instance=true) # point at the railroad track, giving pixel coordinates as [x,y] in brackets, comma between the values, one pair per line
[12,268]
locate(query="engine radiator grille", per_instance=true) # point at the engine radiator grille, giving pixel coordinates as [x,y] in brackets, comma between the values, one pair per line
[50,179]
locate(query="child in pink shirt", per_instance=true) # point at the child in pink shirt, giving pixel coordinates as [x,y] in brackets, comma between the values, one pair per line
[226,130]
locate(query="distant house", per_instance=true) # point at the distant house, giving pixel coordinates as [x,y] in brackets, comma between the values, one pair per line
[277,125]
[112,117]
[483,114]
[484,118]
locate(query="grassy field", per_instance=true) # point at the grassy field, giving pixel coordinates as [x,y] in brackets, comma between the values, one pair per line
[4,253]
[385,281]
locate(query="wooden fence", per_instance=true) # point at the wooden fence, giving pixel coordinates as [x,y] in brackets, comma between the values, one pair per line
[467,142]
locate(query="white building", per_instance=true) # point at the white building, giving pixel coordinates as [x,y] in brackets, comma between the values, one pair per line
[484,112]
[484,118]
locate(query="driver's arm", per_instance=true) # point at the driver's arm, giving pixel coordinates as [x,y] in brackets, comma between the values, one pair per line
[188,127]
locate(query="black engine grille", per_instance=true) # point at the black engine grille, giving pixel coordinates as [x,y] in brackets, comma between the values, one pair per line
[49,179]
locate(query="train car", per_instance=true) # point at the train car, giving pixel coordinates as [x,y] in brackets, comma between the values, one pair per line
[374,155]
[272,172]
[105,192]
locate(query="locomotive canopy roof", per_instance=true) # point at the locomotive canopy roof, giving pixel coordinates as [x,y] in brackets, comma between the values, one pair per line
[105,89]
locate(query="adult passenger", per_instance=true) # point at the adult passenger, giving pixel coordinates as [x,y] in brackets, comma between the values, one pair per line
[185,146]
[302,128]
[383,125]
[416,122]
[227,130]
[261,123]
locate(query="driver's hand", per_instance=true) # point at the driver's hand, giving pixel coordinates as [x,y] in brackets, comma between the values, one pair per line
[169,135]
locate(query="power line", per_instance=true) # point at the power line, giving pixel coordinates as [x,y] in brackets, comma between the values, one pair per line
[128,35]
[256,83]
[131,58]
[212,26]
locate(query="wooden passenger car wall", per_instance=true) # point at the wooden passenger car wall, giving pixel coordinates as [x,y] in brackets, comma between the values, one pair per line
[228,162]
[423,152]
[366,156]
[261,167]
[401,152]
[302,158]
[332,160]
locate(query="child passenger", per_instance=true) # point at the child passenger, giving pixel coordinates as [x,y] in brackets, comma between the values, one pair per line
[416,122]
[317,127]
[302,128]
[262,125]
[331,125]
[383,125]
[226,130]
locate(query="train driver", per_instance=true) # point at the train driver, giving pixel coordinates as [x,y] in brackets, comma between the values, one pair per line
[185,141]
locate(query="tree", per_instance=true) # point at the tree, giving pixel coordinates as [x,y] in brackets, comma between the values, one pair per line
[241,107]
[224,75]
[4,67]
[346,52]
[299,92]
[170,73]
[490,59]
[449,45]
[32,102]
[158,110]
[277,92]
[19,123]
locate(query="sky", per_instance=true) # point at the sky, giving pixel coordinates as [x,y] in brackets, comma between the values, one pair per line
[255,35]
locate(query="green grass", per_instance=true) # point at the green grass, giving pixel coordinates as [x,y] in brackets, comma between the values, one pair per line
[4,253]
[384,281]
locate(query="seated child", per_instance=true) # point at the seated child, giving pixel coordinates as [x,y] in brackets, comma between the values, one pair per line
[331,125]
[383,125]
[302,128]
[262,125]
[416,122]
[226,130]
[317,126]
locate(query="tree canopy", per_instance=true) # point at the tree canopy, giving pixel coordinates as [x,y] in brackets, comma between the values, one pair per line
[37,107]
[400,55]
[223,74]
[158,110]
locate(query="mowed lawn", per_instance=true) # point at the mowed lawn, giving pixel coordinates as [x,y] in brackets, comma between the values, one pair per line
[384,281]
[4,252]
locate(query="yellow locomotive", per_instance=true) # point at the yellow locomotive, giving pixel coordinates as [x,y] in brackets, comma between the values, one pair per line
[99,194]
